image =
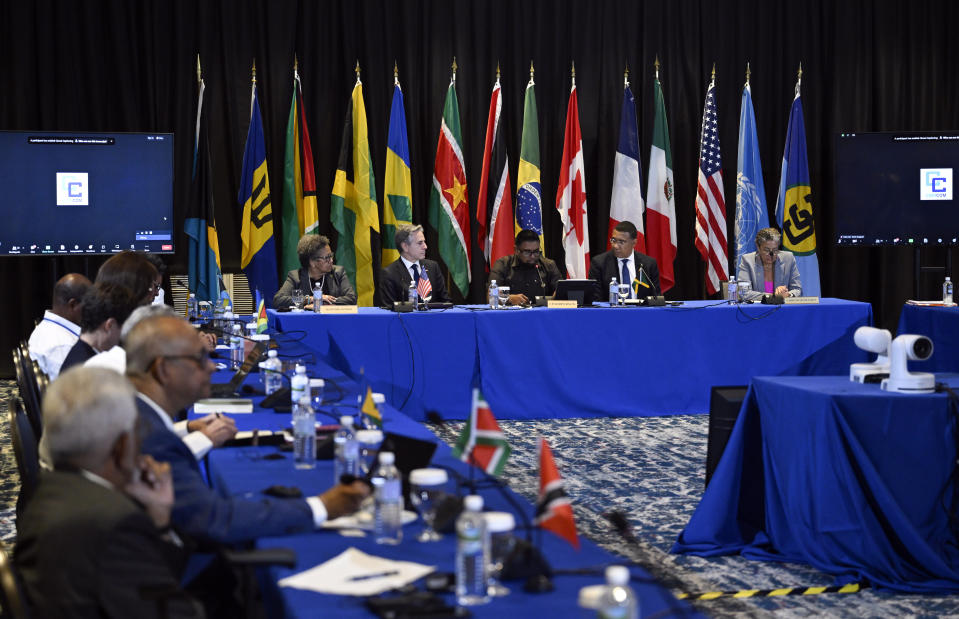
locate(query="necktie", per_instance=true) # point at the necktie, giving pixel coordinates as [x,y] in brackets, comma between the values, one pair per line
[626,279]
[416,273]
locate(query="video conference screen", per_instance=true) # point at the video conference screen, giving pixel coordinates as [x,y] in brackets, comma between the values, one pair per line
[897,189]
[86,193]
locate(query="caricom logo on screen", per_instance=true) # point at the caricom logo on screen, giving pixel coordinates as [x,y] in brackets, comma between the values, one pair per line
[73,189]
[935,184]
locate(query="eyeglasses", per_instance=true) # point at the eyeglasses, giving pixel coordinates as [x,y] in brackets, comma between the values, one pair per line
[326,258]
[530,253]
[617,242]
[200,359]
[770,252]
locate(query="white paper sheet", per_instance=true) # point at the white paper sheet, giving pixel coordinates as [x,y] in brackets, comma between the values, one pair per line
[335,576]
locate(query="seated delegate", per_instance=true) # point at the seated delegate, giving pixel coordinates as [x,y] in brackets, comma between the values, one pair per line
[768,269]
[527,272]
[316,267]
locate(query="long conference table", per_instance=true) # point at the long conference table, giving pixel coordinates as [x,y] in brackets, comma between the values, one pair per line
[586,362]
[248,470]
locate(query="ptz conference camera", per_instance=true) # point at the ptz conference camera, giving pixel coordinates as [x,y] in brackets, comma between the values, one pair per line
[909,348]
[874,340]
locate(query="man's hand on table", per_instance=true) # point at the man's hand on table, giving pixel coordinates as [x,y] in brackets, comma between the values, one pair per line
[343,499]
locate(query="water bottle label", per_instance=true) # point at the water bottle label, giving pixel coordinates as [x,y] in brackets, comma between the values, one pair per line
[613,613]
[389,491]
[351,450]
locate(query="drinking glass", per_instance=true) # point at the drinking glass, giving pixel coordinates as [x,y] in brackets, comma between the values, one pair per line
[298,299]
[744,289]
[501,542]
[623,292]
[503,297]
[427,488]
[369,441]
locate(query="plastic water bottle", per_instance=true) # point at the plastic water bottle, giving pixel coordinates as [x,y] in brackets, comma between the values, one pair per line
[613,292]
[493,295]
[732,292]
[273,379]
[192,308]
[412,295]
[304,434]
[317,298]
[388,501]
[347,450]
[299,384]
[226,327]
[947,291]
[236,349]
[618,601]
[472,554]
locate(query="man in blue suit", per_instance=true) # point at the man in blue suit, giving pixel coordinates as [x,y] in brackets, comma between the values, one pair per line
[170,367]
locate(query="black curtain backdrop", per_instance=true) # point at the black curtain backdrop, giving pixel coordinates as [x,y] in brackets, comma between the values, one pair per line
[130,66]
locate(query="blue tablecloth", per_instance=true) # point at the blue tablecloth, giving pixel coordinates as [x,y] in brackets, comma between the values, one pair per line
[848,478]
[600,361]
[243,470]
[941,325]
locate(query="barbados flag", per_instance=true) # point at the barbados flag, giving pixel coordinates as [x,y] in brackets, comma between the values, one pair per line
[258,258]
[398,208]
[529,197]
[794,203]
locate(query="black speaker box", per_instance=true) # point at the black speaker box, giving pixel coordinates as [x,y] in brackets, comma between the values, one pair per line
[724,405]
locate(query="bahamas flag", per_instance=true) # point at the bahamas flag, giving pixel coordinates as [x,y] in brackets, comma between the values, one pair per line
[200,226]
[299,182]
[398,208]
[751,215]
[353,201]
[258,259]
[794,204]
[529,198]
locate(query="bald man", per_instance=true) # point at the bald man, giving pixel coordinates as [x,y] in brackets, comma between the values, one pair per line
[170,367]
[56,334]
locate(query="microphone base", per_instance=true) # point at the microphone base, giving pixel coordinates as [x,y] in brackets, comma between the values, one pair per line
[538,584]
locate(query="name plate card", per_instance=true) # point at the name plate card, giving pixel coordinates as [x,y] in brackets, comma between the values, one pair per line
[561,304]
[801,300]
[339,309]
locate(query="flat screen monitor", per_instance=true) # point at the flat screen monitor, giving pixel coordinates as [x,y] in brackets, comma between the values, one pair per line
[71,193]
[897,189]
[583,291]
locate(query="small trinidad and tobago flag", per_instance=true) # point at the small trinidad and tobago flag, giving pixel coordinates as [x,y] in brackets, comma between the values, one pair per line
[261,321]
[553,509]
[641,281]
[482,442]
[370,410]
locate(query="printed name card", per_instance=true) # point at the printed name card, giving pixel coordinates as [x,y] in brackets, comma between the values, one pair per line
[561,303]
[339,309]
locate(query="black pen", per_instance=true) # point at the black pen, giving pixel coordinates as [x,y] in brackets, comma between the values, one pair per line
[372,576]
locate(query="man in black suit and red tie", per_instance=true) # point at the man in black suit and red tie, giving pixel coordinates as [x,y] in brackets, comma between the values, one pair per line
[395,279]
[625,264]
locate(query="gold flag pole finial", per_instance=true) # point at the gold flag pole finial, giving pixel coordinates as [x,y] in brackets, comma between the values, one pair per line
[713,76]
[254,71]
[199,71]
[572,72]
[296,68]
[357,70]
[748,73]
[396,74]
[455,67]
[656,66]
[497,71]
[799,79]
[626,76]
[531,71]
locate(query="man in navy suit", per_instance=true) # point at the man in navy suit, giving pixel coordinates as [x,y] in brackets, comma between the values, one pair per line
[170,367]
[625,264]
[395,279]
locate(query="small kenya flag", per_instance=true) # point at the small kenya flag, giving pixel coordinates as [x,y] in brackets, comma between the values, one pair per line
[482,442]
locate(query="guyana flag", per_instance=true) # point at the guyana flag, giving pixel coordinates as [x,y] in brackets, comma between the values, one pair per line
[398,208]
[449,202]
[299,182]
[353,202]
[482,442]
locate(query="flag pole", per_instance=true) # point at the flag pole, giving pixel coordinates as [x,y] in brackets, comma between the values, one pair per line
[656,66]
[531,71]
[396,74]
[357,70]
[453,80]
[748,72]
[799,79]
[199,71]
[626,76]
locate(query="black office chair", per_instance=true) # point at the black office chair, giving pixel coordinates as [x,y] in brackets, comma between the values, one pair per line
[29,388]
[26,453]
[13,599]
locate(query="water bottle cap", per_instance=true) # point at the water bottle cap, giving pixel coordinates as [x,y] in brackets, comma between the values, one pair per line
[386,457]
[428,477]
[236,328]
[947,278]
[492,282]
[317,382]
[370,437]
[300,369]
[192,295]
[499,522]
[591,597]
[228,315]
[473,503]
[617,575]
[346,420]
[271,354]
[260,337]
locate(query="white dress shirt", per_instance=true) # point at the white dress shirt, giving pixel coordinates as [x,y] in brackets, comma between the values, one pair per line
[197,442]
[50,342]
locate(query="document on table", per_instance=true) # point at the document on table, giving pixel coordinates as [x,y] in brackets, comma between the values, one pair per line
[353,572]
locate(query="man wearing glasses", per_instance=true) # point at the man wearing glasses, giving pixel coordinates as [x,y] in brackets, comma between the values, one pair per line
[770,270]
[625,264]
[316,262]
[527,273]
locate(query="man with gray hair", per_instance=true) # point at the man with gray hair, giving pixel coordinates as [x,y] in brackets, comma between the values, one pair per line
[395,279]
[90,542]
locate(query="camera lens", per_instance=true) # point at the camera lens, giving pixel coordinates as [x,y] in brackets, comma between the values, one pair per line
[922,348]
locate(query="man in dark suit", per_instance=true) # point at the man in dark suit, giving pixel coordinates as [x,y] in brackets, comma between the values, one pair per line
[91,542]
[170,367]
[625,264]
[395,279]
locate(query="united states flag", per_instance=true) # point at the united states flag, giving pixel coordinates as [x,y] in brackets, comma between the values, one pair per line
[710,203]
[423,287]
